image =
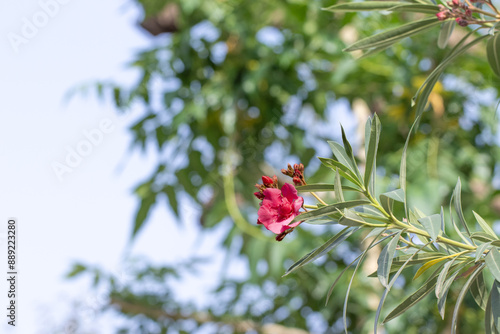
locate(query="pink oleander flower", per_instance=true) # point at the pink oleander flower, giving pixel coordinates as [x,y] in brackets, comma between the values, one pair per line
[279,208]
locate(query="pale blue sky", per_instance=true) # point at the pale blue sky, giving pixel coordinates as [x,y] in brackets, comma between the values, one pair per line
[88,215]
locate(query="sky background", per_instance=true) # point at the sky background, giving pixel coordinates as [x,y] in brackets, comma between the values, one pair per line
[87,216]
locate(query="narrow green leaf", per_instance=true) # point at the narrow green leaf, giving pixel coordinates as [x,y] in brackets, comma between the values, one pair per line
[322,250]
[483,237]
[329,209]
[458,205]
[426,266]
[394,35]
[489,324]
[417,296]
[415,8]
[344,311]
[342,156]
[495,303]
[387,199]
[371,150]
[322,187]
[372,244]
[442,276]
[386,291]
[402,168]
[481,249]
[454,53]
[441,302]
[461,296]
[363,6]
[485,226]
[77,270]
[344,170]
[350,154]
[445,33]
[493,53]
[432,225]
[172,199]
[478,291]
[339,196]
[350,218]
[416,259]
[385,259]
[145,207]
[492,260]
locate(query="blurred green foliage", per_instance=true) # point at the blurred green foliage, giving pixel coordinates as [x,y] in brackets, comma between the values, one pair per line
[240,85]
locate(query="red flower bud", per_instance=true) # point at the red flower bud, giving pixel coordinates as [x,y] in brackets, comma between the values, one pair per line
[461,22]
[456,2]
[268,182]
[259,195]
[442,15]
[297,181]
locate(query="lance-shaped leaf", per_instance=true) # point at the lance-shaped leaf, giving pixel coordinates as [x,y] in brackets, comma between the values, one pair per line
[457,194]
[489,324]
[426,266]
[322,250]
[432,225]
[371,149]
[402,168]
[493,263]
[321,187]
[344,311]
[481,249]
[441,302]
[391,283]
[359,257]
[417,296]
[493,53]
[415,8]
[388,198]
[484,225]
[350,218]
[425,89]
[350,154]
[394,35]
[445,33]
[385,259]
[442,276]
[495,303]
[363,6]
[343,170]
[478,291]
[329,209]
[345,158]
[461,296]
[339,195]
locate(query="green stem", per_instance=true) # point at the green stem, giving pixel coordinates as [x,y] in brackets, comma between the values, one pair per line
[412,229]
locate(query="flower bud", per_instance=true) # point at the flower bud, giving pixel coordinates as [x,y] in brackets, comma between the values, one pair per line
[268,182]
[259,195]
[456,2]
[297,181]
[442,15]
[461,22]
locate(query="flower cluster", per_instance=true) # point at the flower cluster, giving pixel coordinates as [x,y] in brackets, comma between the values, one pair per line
[296,173]
[458,10]
[278,207]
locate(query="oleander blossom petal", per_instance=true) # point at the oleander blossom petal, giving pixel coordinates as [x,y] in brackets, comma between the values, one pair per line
[279,208]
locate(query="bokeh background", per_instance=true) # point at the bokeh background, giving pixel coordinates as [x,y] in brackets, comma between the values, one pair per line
[153,230]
